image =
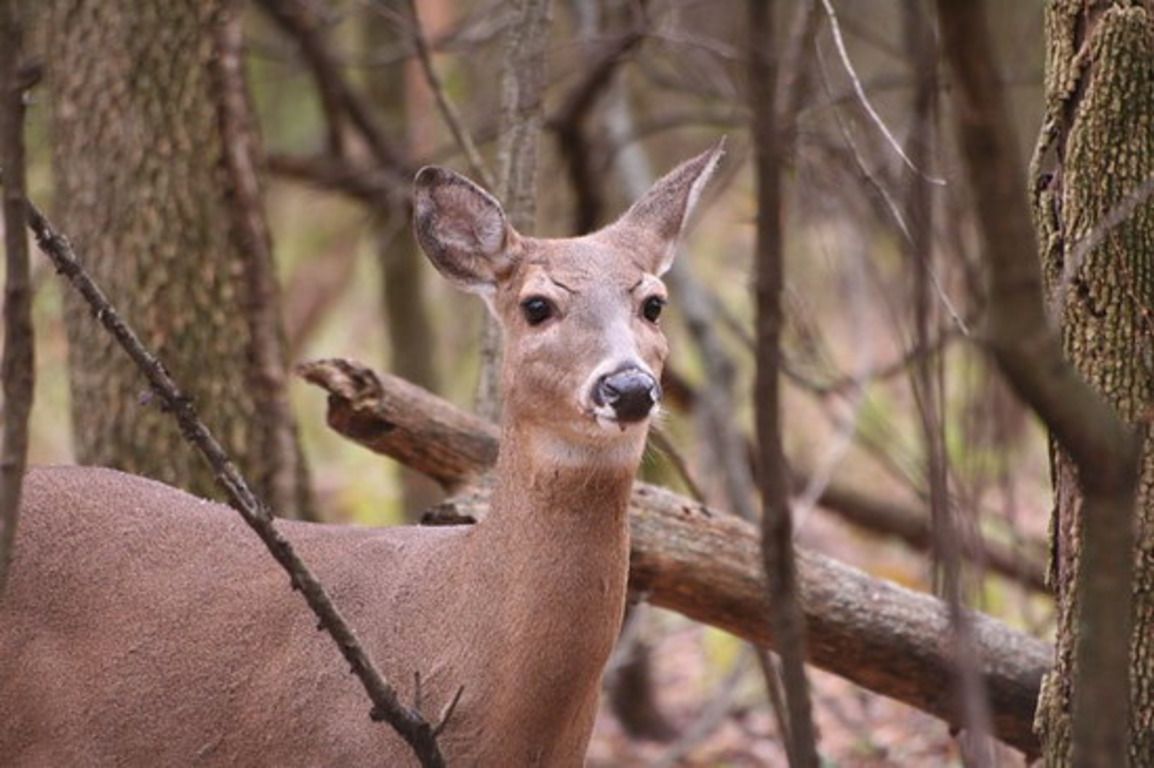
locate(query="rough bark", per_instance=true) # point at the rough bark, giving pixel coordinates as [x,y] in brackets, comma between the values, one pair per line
[1098,152]
[707,565]
[1101,446]
[155,168]
[17,368]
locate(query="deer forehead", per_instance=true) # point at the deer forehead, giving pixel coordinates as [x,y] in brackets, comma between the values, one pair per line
[584,267]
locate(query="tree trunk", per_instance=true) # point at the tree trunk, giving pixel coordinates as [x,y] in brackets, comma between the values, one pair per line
[155,160]
[522,115]
[1096,228]
[408,321]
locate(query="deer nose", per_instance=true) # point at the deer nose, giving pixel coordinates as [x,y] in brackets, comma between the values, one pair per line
[631,393]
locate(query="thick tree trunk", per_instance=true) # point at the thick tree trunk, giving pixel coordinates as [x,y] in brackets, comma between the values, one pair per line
[155,162]
[1096,227]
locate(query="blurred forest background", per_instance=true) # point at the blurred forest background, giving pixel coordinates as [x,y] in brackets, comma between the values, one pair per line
[881,312]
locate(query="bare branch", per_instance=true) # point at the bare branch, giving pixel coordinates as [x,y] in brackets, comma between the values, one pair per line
[787,618]
[18,366]
[928,384]
[839,43]
[448,111]
[568,121]
[371,186]
[408,722]
[912,526]
[298,19]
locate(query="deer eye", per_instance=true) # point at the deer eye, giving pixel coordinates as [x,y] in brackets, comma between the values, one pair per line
[537,309]
[652,307]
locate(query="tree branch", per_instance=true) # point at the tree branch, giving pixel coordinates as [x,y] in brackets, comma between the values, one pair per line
[448,111]
[568,125]
[298,20]
[706,564]
[371,186]
[409,723]
[777,548]
[18,366]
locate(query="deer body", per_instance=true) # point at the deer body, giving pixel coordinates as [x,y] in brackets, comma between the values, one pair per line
[144,626]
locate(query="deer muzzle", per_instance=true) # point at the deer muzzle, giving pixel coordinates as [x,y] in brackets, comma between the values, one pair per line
[630,392]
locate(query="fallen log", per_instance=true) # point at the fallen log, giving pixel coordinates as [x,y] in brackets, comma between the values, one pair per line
[706,564]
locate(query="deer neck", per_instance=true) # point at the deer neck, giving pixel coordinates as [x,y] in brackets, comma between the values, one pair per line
[569,495]
[554,549]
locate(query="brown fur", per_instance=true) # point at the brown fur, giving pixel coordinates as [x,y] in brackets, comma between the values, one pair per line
[143,626]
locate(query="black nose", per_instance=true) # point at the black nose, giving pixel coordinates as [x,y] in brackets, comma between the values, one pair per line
[631,393]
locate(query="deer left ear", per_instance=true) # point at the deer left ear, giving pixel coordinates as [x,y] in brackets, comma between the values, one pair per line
[663,212]
[462,229]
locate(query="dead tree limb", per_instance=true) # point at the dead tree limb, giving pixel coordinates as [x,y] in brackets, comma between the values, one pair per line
[18,362]
[707,565]
[409,723]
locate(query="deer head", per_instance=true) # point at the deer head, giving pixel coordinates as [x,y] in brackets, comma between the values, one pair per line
[584,347]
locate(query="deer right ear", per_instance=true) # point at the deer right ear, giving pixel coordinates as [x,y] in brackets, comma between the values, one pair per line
[462,229]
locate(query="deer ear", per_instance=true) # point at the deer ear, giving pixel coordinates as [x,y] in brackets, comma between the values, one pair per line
[462,229]
[664,210]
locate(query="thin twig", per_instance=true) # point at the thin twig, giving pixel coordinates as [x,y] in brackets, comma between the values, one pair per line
[1115,217]
[18,363]
[888,199]
[839,43]
[408,722]
[662,442]
[927,382]
[448,111]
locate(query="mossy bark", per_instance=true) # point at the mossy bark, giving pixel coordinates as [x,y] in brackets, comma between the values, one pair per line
[155,170]
[1095,220]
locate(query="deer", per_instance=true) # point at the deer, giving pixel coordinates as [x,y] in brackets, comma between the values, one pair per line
[145,626]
